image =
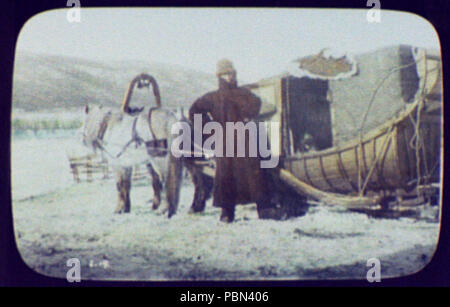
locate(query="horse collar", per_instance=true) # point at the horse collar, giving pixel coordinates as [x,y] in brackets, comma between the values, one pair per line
[150,121]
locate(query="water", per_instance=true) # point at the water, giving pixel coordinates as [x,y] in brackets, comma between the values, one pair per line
[39,162]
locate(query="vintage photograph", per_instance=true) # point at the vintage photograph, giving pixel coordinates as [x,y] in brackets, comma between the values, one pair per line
[186,144]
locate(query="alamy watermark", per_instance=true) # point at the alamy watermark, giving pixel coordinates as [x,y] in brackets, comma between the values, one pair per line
[214,145]
[374,14]
[374,273]
[74,273]
[74,13]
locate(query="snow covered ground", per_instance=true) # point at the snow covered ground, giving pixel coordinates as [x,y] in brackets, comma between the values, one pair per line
[39,163]
[56,219]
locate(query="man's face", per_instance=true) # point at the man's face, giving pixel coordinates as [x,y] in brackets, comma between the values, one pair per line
[229,77]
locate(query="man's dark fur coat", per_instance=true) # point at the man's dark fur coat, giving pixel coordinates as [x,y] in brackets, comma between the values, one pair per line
[238,180]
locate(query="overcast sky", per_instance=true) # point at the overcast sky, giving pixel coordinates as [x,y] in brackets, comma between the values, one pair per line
[261,42]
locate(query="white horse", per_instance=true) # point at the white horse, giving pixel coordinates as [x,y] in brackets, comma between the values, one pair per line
[126,140]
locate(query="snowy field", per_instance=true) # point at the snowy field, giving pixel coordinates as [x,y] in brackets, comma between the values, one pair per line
[39,163]
[56,219]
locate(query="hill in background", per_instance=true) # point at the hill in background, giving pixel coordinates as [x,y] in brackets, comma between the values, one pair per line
[56,83]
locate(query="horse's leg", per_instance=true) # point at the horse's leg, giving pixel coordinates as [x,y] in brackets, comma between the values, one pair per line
[197,204]
[203,186]
[157,187]
[173,183]
[123,185]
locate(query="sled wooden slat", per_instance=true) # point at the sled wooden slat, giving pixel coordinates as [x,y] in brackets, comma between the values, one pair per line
[91,168]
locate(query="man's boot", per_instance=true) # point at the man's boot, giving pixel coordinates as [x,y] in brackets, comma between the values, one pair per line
[227,215]
[270,212]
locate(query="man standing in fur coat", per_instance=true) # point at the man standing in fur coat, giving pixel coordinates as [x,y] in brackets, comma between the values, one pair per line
[238,180]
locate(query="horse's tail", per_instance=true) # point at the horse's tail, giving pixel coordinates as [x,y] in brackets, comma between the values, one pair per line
[173,182]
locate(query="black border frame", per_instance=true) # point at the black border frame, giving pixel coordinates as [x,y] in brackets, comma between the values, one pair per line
[14,272]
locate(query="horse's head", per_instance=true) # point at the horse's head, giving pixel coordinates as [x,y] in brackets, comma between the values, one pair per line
[95,121]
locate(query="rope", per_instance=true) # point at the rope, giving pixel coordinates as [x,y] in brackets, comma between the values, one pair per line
[377,158]
[287,121]
[378,88]
[372,99]
[419,142]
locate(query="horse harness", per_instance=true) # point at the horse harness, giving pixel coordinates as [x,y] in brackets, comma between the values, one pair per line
[155,147]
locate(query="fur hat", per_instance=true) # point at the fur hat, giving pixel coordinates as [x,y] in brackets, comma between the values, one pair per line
[224,66]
